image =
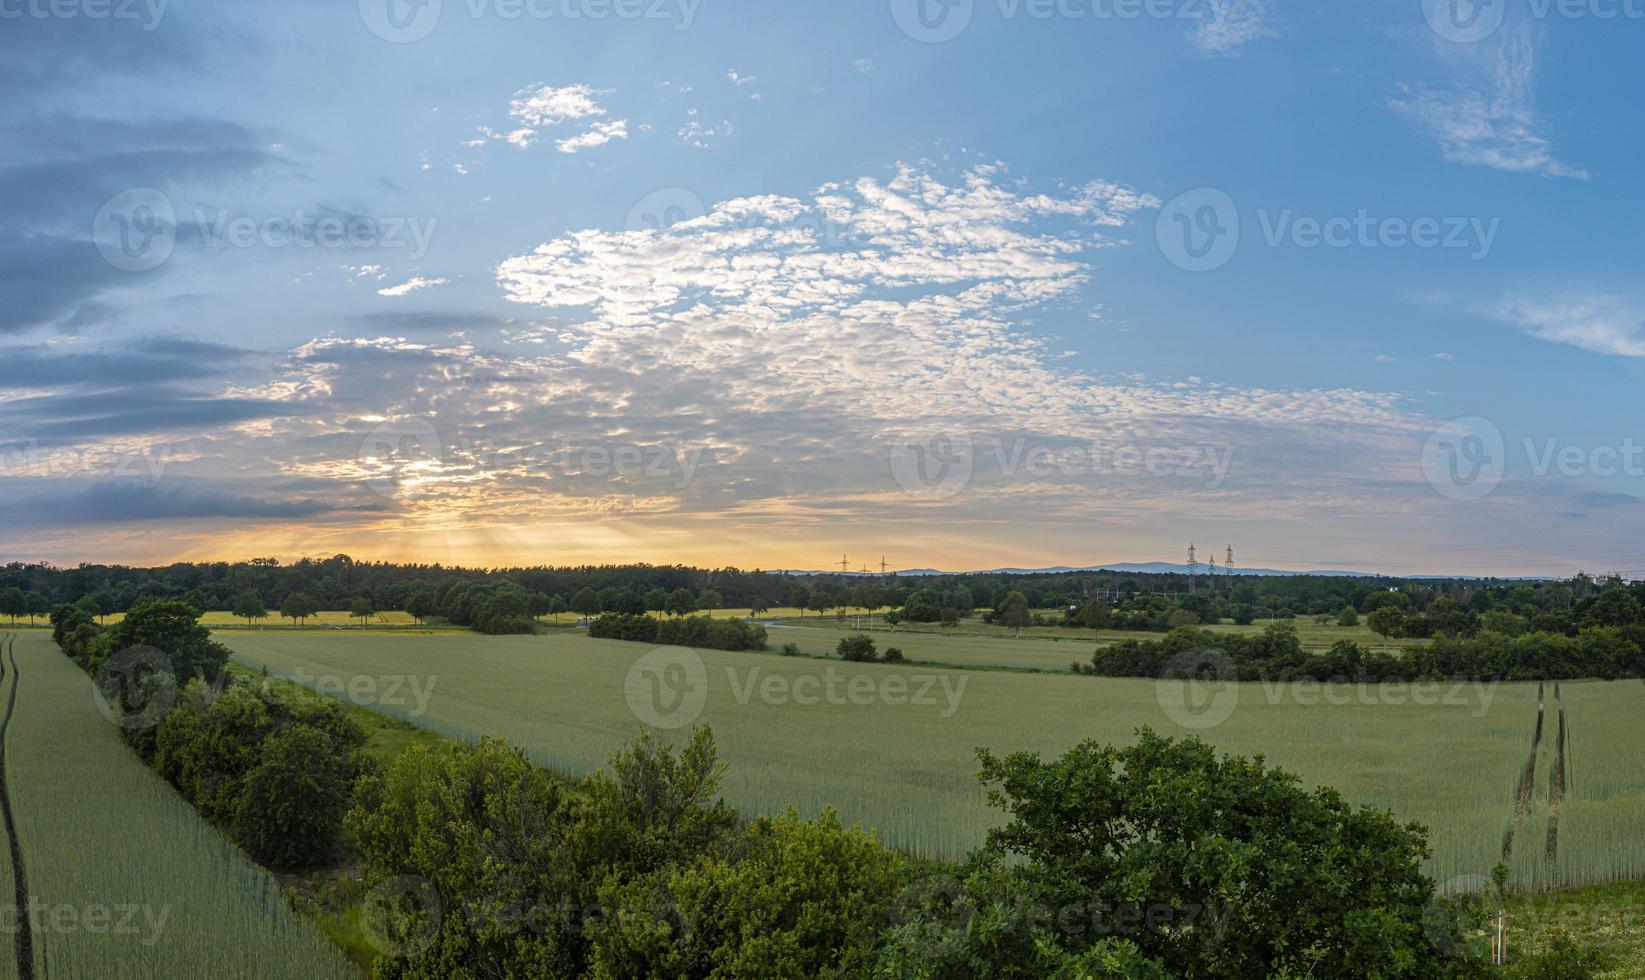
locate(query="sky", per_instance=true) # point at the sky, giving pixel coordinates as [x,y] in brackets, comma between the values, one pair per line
[957,284]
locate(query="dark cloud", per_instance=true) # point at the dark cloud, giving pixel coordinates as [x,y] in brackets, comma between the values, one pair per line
[57,418]
[117,502]
[152,361]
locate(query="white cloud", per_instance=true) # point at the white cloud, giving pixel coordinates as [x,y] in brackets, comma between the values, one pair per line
[701,136]
[1490,118]
[410,286]
[862,66]
[1227,26]
[1600,322]
[599,135]
[545,106]
[1444,356]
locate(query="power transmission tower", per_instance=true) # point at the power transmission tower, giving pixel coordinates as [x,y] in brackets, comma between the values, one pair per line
[1193,567]
[845,566]
[1213,573]
[1228,566]
[882,566]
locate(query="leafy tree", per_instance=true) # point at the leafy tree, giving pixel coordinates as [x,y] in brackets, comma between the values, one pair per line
[248,605]
[1386,621]
[656,600]
[291,807]
[1244,867]
[1013,612]
[1348,617]
[298,607]
[950,616]
[171,627]
[857,648]
[710,598]
[556,605]
[362,608]
[800,599]
[12,603]
[35,604]
[681,602]
[586,602]
[421,604]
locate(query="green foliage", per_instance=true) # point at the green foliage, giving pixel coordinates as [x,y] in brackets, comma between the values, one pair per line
[291,806]
[1277,880]
[171,627]
[1348,617]
[892,655]
[795,898]
[857,648]
[298,607]
[1564,959]
[703,632]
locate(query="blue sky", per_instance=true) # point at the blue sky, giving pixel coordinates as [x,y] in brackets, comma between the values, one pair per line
[709,282]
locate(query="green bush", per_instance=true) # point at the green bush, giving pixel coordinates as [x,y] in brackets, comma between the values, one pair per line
[291,807]
[892,655]
[858,648]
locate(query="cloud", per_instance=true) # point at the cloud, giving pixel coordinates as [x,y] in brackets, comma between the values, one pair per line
[1490,119]
[1229,25]
[410,286]
[545,106]
[700,136]
[600,135]
[115,502]
[1602,323]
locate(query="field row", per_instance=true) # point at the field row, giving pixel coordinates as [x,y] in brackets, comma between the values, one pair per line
[893,747]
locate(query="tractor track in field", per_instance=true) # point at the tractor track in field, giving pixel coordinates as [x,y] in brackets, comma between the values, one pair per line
[24,934]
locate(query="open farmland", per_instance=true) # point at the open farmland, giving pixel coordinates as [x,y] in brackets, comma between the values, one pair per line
[126,878]
[1450,756]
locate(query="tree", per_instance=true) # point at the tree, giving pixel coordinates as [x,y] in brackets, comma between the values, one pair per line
[950,616]
[1013,612]
[421,603]
[37,605]
[248,605]
[681,602]
[1348,617]
[585,602]
[556,605]
[857,648]
[656,599]
[1104,830]
[12,603]
[363,608]
[291,806]
[800,599]
[821,600]
[174,629]
[710,598]
[1386,621]
[298,607]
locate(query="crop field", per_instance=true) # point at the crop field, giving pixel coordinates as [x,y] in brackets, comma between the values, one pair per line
[125,878]
[219,619]
[892,747]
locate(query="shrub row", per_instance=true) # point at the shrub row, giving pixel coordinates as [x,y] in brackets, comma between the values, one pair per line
[704,632]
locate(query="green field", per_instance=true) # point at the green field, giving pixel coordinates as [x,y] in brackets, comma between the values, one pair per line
[907,769]
[129,880]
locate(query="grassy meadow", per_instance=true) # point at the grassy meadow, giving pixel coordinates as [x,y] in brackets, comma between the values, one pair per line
[132,881]
[1447,756]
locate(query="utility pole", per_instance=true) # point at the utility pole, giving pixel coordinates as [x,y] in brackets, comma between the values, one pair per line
[845,566]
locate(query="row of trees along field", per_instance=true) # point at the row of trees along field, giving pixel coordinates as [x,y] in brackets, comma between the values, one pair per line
[491,866]
[1126,600]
